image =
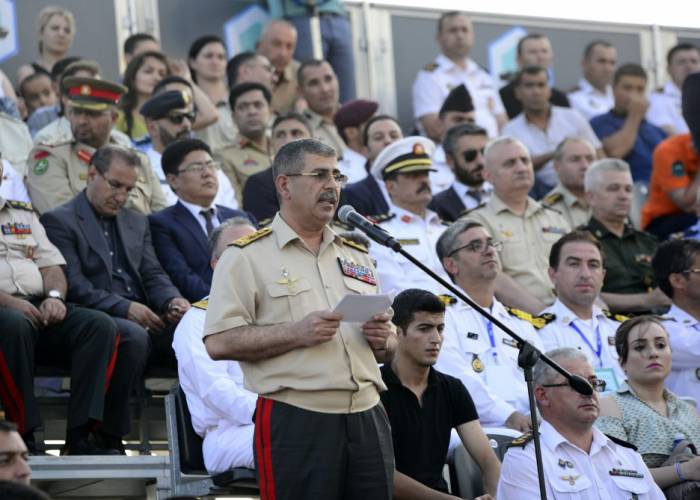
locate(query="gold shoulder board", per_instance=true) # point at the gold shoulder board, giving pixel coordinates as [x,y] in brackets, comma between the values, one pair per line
[354,245]
[22,205]
[250,238]
[202,304]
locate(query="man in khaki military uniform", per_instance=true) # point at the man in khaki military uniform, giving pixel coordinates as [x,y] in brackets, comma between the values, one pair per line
[316,375]
[277,43]
[58,172]
[527,229]
[250,153]
[37,324]
[572,158]
[318,85]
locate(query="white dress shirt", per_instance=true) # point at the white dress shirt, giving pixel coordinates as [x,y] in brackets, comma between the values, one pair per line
[353,164]
[683,333]
[665,108]
[497,385]
[443,177]
[564,332]
[432,87]
[196,211]
[222,410]
[13,187]
[589,101]
[465,194]
[571,473]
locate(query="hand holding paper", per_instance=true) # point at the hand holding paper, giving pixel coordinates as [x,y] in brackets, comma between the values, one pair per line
[361,308]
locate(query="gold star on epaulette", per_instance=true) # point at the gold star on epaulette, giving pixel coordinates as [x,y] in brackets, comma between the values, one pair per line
[250,238]
[521,440]
[447,299]
[620,318]
[202,304]
[22,205]
[354,245]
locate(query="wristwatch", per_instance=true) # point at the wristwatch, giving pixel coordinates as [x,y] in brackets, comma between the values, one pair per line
[55,294]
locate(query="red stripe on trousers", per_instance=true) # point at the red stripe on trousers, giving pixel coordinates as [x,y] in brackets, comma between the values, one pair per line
[267,448]
[11,396]
[258,447]
[112,362]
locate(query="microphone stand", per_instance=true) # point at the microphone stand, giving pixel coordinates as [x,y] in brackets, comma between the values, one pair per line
[527,358]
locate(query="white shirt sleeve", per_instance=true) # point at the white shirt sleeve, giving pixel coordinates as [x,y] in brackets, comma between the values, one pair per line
[519,476]
[427,98]
[226,196]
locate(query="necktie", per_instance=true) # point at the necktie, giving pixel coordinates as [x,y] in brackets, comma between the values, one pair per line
[208,215]
[476,194]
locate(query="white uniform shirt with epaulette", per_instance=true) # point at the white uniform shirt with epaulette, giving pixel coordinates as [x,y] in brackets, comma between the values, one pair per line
[418,237]
[24,249]
[576,212]
[683,333]
[665,108]
[589,101]
[527,240]
[594,337]
[474,349]
[443,177]
[222,409]
[434,82]
[608,471]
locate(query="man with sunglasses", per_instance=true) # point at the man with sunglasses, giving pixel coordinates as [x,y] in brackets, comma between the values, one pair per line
[463,148]
[474,350]
[320,431]
[579,461]
[58,172]
[169,116]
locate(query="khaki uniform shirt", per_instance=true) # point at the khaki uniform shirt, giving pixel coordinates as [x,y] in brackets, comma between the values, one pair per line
[574,211]
[287,88]
[59,131]
[527,240]
[15,142]
[272,278]
[222,133]
[325,132]
[242,159]
[24,249]
[57,173]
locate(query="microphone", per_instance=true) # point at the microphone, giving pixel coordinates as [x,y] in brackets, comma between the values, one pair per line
[349,215]
[580,385]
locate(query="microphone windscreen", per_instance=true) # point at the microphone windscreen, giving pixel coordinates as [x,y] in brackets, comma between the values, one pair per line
[344,212]
[581,385]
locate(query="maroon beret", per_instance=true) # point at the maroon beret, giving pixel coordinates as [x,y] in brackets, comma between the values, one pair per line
[355,113]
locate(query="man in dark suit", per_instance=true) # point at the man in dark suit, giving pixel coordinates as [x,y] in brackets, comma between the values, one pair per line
[180,231]
[110,262]
[464,153]
[369,196]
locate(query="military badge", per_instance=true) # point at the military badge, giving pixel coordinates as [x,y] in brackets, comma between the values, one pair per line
[84,156]
[16,229]
[477,364]
[357,271]
[41,167]
[472,336]
[626,473]
[571,479]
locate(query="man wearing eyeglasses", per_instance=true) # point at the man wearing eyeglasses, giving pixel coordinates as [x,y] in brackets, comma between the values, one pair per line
[579,461]
[474,350]
[169,117]
[58,172]
[463,148]
[180,231]
[320,431]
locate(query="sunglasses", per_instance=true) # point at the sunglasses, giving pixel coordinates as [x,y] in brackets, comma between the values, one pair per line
[471,154]
[178,118]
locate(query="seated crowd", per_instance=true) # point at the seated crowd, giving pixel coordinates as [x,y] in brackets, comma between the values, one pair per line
[561,214]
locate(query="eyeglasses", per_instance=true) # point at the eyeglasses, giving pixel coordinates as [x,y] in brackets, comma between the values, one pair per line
[178,118]
[116,185]
[323,176]
[597,384]
[479,246]
[198,167]
[471,154]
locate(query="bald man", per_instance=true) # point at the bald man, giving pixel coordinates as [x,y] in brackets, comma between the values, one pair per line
[277,43]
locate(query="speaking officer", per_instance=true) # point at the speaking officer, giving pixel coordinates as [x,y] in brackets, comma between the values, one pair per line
[320,431]
[58,172]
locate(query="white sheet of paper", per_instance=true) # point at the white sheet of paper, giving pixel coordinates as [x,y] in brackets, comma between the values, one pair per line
[361,308]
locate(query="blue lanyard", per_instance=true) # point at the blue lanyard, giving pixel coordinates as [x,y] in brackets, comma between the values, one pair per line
[599,343]
[492,340]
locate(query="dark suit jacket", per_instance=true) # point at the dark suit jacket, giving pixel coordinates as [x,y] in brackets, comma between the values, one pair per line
[182,248]
[73,227]
[514,107]
[260,195]
[365,196]
[447,204]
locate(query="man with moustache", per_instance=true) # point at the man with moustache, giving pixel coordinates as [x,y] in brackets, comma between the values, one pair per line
[579,461]
[464,152]
[320,430]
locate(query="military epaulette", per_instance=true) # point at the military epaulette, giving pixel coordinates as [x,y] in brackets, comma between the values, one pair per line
[470,210]
[552,198]
[265,222]
[354,245]
[431,66]
[549,207]
[202,304]
[22,205]
[621,442]
[342,225]
[378,219]
[521,440]
[538,322]
[58,142]
[620,318]
[250,238]
[447,299]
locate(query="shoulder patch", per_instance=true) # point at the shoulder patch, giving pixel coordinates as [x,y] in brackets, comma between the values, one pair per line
[538,322]
[377,219]
[354,245]
[250,238]
[621,442]
[447,299]
[620,318]
[470,210]
[552,198]
[431,66]
[521,440]
[202,304]
[22,205]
